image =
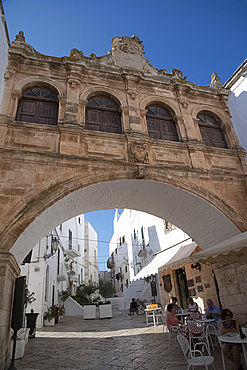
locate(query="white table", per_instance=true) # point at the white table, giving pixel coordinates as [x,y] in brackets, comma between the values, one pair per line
[153,312]
[224,338]
[206,321]
[183,315]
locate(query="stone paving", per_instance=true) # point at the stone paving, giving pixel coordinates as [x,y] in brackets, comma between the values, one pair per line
[123,342]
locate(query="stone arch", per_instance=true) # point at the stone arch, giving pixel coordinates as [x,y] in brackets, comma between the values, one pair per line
[215,112]
[205,217]
[31,81]
[87,93]
[162,101]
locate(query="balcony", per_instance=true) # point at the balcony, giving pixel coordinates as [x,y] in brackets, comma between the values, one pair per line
[142,253]
[73,253]
[110,262]
[61,277]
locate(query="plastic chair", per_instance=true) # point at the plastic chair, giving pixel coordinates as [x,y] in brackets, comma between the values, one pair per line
[175,330]
[197,332]
[211,331]
[160,316]
[191,355]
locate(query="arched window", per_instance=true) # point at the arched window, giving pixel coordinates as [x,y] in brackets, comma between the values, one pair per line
[103,114]
[38,105]
[210,129]
[161,124]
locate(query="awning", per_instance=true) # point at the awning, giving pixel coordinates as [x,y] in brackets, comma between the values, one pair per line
[182,255]
[175,255]
[229,251]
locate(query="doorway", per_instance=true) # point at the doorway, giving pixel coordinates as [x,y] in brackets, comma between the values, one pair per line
[183,292]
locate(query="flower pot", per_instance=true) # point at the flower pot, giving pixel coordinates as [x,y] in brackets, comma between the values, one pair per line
[105,311]
[90,312]
[49,323]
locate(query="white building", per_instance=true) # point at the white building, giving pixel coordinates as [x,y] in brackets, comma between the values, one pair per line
[58,264]
[237,102]
[91,254]
[4,45]
[135,256]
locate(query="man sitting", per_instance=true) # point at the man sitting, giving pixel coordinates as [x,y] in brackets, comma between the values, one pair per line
[213,311]
[133,307]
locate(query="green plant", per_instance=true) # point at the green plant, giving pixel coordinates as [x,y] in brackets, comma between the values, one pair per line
[51,313]
[61,310]
[106,289]
[29,297]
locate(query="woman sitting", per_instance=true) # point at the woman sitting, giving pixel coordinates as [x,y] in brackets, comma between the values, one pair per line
[193,309]
[171,318]
[231,351]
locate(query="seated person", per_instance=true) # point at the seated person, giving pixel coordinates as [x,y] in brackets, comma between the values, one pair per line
[193,309]
[133,307]
[171,318]
[213,311]
[175,302]
[231,351]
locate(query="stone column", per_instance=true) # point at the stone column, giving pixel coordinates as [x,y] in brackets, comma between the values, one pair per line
[125,117]
[15,96]
[143,121]
[82,112]
[61,108]
[9,270]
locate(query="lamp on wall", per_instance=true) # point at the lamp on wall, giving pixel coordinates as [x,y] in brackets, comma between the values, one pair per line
[54,243]
[196,266]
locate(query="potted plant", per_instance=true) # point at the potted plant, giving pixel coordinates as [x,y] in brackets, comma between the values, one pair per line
[49,316]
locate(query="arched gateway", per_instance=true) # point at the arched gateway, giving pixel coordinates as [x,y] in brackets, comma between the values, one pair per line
[84,133]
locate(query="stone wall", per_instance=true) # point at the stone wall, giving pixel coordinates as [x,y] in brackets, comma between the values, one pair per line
[207,283]
[232,281]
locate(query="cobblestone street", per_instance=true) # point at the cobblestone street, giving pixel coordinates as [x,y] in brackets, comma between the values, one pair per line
[123,342]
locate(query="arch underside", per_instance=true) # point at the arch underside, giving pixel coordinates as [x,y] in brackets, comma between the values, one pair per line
[195,216]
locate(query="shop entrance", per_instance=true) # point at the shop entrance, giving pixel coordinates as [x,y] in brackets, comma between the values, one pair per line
[183,292]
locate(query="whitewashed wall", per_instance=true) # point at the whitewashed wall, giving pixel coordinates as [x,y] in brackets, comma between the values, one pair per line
[238,102]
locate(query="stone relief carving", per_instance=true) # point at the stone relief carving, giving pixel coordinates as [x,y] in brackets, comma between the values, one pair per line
[76,54]
[140,172]
[138,152]
[178,74]
[130,45]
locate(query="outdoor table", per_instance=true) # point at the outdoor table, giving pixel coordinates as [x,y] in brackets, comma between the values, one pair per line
[153,311]
[232,338]
[206,321]
[183,315]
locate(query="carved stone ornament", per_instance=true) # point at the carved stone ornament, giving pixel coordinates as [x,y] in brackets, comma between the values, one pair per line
[76,54]
[140,172]
[215,81]
[132,94]
[178,74]
[129,45]
[138,152]
[167,283]
[184,102]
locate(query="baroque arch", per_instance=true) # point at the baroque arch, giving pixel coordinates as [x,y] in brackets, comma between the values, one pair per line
[206,218]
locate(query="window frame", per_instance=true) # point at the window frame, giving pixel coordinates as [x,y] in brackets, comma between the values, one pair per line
[103,113]
[207,129]
[166,121]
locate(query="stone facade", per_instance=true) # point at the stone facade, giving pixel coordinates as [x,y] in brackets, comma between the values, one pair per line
[202,290]
[50,173]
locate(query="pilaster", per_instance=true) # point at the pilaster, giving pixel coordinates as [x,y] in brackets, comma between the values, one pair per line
[9,270]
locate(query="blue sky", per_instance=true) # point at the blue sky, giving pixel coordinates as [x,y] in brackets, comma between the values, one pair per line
[197,37]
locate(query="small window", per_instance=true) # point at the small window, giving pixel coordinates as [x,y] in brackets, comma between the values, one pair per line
[211,131]
[102,114]
[161,124]
[38,105]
